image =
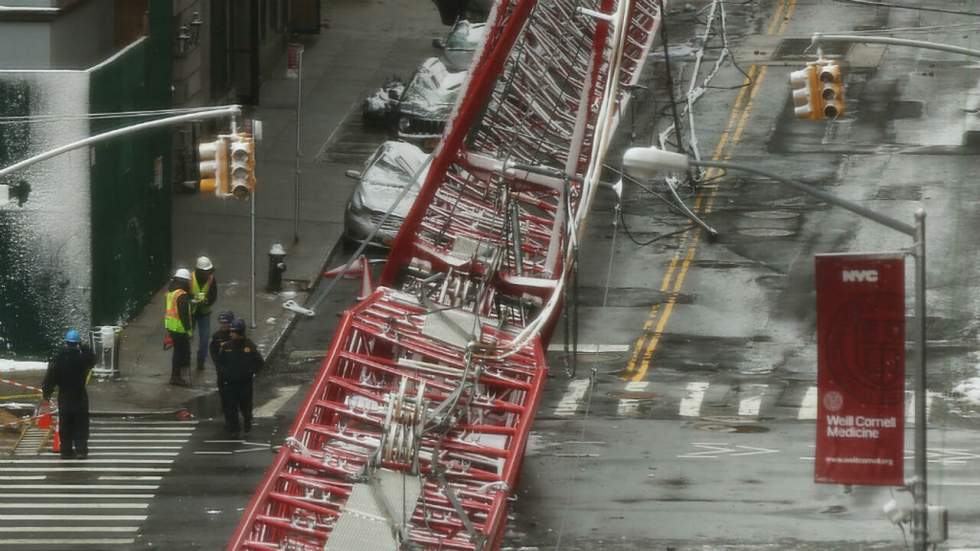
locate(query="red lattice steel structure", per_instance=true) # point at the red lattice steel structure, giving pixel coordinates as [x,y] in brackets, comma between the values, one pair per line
[414,432]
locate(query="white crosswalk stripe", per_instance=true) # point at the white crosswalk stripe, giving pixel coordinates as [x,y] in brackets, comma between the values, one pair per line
[697,399]
[572,399]
[112,488]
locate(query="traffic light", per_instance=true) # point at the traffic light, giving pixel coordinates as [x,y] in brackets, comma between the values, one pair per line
[807,103]
[242,166]
[831,90]
[213,166]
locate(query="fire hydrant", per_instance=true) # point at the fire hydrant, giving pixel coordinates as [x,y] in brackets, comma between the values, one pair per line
[277,265]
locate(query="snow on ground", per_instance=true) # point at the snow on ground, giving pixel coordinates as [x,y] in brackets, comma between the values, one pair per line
[970,389]
[7,366]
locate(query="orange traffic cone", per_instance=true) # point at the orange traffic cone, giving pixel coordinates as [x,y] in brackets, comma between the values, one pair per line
[56,440]
[44,420]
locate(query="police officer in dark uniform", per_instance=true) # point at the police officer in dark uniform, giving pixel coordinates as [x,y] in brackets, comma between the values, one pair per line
[222,335]
[238,361]
[67,372]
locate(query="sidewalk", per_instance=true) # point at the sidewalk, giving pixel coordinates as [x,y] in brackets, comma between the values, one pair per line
[364,44]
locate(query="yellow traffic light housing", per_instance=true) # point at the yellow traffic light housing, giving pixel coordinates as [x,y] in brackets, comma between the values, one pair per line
[807,103]
[831,90]
[213,166]
[242,165]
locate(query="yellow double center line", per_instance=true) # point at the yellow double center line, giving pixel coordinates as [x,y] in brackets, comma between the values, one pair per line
[673,281]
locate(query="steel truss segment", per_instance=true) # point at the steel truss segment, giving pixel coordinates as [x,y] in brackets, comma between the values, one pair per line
[413,387]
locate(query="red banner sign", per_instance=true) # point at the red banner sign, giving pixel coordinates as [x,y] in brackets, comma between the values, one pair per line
[860,369]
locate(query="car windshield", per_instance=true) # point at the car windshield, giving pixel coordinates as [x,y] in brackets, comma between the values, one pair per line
[465,35]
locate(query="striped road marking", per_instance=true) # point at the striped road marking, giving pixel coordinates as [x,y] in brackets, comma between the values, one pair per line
[32,505]
[691,404]
[88,461]
[130,477]
[84,469]
[573,396]
[74,517]
[910,405]
[270,408]
[590,348]
[80,496]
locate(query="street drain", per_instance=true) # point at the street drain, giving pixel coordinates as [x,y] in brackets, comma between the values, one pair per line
[735,429]
[834,510]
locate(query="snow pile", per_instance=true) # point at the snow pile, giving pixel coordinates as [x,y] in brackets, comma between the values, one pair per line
[7,366]
[970,389]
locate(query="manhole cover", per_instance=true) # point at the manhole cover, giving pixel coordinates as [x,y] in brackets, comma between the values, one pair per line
[800,48]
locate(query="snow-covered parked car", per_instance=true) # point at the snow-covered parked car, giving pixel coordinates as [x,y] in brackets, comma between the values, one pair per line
[427,101]
[389,170]
[460,44]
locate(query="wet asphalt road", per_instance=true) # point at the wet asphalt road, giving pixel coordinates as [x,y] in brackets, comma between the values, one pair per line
[697,428]
[690,427]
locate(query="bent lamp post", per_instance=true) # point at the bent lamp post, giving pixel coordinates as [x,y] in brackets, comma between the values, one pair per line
[648,161]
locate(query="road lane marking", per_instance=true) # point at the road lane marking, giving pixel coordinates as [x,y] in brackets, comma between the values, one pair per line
[72,541]
[130,478]
[138,423]
[78,496]
[32,505]
[570,401]
[590,348]
[110,469]
[121,453]
[691,404]
[716,450]
[808,408]
[87,461]
[751,85]
[270,408]
[69,529]
[750,406]
[154,441]
[73,517]
[79,486]
[24,477]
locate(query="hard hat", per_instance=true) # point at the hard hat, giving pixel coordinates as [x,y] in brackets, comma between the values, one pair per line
[238,326]
[204,263]
[182,273]
[226,317]
[73,336]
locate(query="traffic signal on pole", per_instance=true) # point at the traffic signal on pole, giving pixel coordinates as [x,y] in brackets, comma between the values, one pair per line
[213,166]
[242,165]
[831,90]
[807,102]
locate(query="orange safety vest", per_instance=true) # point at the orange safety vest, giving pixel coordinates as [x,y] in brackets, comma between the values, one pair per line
[171,319]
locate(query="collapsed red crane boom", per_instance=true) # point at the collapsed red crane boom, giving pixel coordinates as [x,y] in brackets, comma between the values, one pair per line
[414,432]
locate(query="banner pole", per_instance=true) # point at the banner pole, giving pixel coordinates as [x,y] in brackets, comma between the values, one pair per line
[920,511]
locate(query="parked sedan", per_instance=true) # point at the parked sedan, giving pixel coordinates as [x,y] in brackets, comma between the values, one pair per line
[460,44]
[392,167]
[427,102]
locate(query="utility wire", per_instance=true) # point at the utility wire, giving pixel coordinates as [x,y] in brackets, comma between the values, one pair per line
[19,119]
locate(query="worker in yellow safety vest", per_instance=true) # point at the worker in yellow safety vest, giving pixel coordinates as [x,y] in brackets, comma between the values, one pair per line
[204,292]
[178,322]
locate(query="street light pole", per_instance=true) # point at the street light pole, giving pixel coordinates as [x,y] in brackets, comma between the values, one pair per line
[649,160]
[819,38]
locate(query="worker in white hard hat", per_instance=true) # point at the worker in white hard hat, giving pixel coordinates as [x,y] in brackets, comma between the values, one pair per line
[178,321]
[204,292]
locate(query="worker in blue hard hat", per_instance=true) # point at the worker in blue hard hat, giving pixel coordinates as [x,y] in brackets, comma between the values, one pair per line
[67,372]
[238,360]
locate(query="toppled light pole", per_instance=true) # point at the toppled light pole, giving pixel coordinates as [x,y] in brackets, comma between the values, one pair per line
[650,160]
